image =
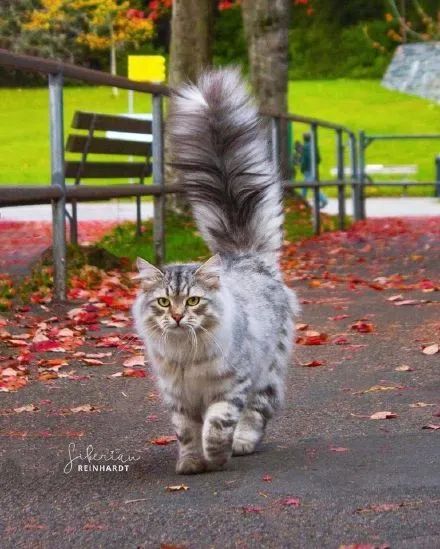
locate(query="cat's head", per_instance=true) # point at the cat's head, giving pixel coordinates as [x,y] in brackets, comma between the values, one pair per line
[179,298]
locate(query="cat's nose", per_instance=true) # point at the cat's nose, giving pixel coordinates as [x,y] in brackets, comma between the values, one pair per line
[177,317]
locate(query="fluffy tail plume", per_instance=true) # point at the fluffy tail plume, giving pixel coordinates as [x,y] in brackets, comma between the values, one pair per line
[220,148]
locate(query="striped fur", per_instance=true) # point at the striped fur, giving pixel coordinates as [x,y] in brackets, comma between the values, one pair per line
[219,334]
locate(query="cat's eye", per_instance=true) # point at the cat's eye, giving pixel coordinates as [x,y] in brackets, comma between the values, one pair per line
[163,301]
[192,301]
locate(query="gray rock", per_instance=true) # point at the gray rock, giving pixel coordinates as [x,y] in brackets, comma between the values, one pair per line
[415,69]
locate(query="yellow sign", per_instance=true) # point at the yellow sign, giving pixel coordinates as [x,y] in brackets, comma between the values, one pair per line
[146,68]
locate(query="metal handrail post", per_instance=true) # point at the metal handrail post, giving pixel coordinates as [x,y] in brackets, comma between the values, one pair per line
[354,175]
[158,179]
[362,174]
[437,176]
[314,150]
[341,178]
[57,178]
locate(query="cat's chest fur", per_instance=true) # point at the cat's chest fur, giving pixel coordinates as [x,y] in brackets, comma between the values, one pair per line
[191,385]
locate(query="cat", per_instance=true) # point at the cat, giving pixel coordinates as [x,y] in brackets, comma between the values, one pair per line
[219,334]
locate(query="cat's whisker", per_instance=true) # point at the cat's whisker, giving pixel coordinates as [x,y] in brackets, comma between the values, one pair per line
[213,339]
[194,341]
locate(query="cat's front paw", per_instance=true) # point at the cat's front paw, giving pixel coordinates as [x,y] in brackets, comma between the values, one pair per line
[217,458]
[190,465]
[242,447]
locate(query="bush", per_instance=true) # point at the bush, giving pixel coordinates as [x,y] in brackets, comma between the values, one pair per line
[230,43]
[333,52]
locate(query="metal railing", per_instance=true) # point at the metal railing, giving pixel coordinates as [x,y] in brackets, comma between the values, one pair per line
[365,140]
[316,184]
[58,193]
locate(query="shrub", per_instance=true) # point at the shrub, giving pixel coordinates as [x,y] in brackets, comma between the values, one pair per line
[334,52]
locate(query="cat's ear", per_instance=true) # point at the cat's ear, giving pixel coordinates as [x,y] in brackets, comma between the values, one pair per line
[148,273]
[209,272]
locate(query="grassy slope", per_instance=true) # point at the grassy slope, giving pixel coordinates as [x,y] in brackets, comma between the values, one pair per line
[24,146]
[24,127]
[184,243]
[365,105]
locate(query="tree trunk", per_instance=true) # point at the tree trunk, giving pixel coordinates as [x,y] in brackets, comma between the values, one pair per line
[192,25]
[266,25]
[113,66]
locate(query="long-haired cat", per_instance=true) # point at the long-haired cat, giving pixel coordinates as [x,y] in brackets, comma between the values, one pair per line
[219,334]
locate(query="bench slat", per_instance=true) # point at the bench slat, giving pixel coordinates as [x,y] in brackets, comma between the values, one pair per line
[107,170]
[102,145]
[108,122]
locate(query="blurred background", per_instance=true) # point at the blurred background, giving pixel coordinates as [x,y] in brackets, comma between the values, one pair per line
[338,53]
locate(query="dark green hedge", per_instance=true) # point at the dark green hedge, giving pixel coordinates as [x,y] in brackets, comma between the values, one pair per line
[337,52]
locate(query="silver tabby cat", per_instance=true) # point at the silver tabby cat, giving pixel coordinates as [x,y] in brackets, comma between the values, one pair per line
[219,334]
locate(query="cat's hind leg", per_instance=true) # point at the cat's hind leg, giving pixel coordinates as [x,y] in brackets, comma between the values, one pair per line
[252,424]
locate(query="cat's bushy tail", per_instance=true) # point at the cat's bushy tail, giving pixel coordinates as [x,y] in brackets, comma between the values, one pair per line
[220,148]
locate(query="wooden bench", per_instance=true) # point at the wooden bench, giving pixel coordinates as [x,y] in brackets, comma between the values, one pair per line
[101,144]
[404,170]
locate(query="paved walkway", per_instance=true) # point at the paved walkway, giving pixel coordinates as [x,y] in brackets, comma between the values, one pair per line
[111,210]
[23,242]
[121,211]
[327,474]
[392,207]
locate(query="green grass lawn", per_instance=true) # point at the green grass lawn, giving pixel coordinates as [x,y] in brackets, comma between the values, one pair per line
[24,145]
[24,127]
[184,243]
[366,105]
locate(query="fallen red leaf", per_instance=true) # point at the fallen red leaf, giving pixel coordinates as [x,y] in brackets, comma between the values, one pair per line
[383,415]
[431,349]
[131,372]
[164,440]
[313,363]
[85,408]
[136,360]
[338,317]
[340,340]
[291,502]
[432,426]
[312,337]
[363,327]
[177,488]
[93,361]
[380,507]
[47,346]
